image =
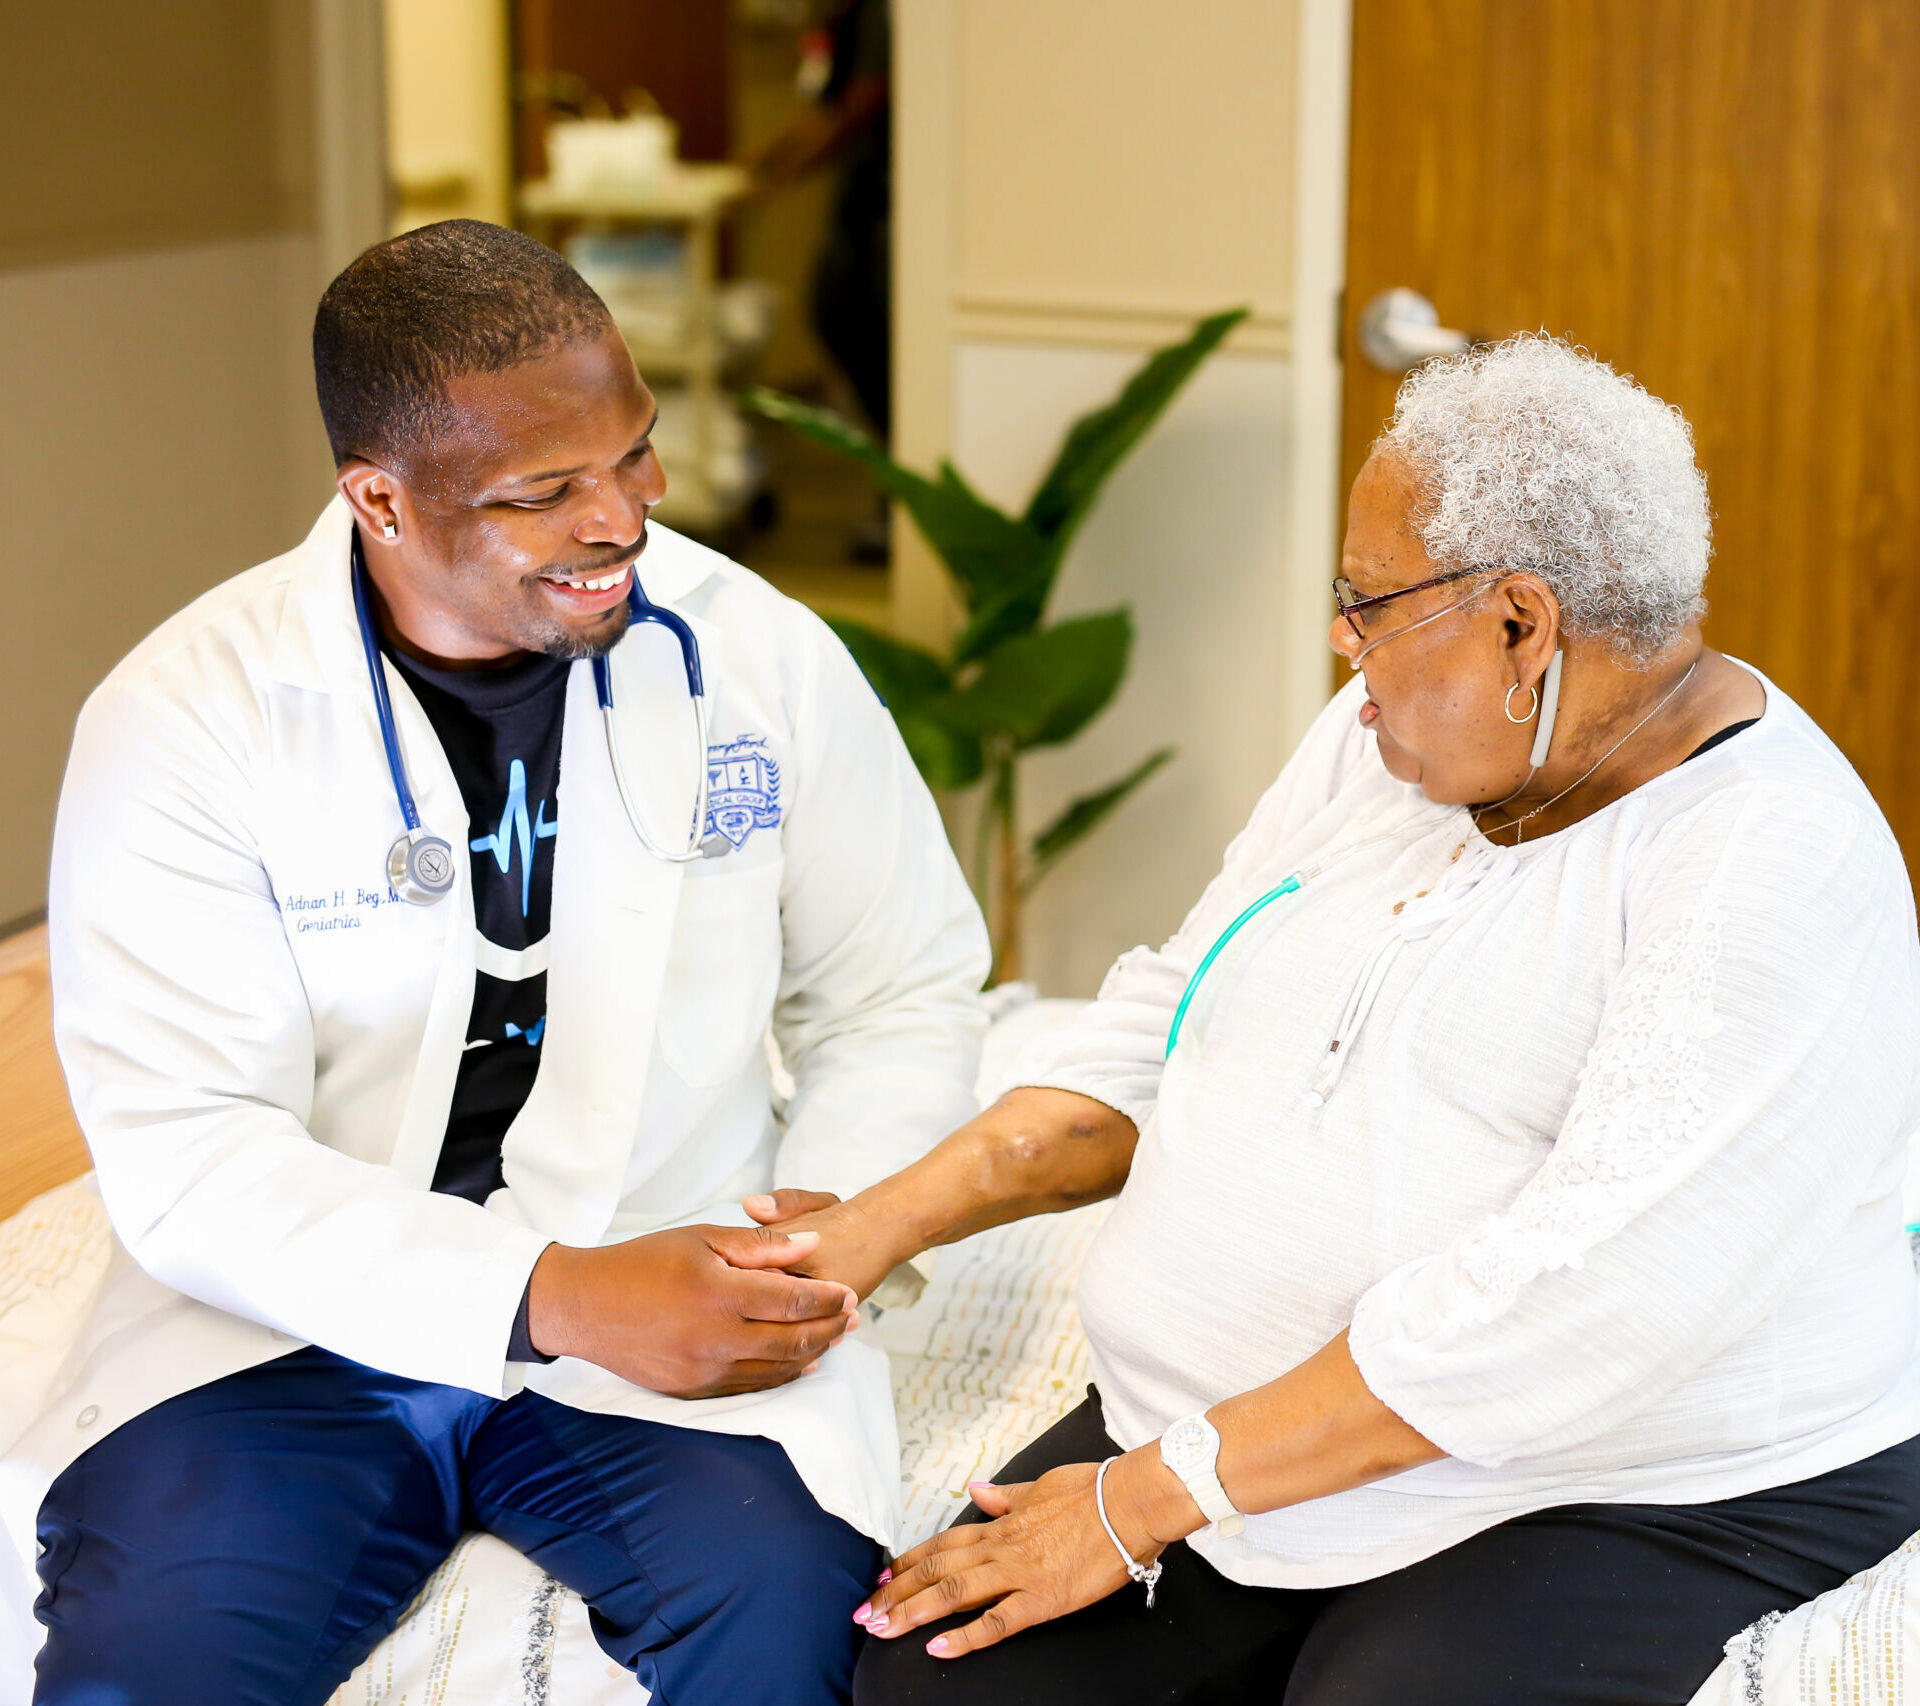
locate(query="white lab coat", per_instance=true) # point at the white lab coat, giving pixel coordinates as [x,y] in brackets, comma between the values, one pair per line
[261,1043]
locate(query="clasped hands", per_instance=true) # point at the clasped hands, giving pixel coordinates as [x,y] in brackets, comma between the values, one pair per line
[713,1310]
[710,1311]
[1043,1551]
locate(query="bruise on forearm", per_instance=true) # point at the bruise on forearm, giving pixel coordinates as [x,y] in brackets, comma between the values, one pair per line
[1033,1152]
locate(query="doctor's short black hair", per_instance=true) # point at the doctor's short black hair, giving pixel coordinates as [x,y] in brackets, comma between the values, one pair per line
[413,312]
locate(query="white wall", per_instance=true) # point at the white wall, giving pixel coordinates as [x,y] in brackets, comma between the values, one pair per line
[1075,184]
[1190,535]
[200,170]
[1125,165]
[448,110]
[161,435]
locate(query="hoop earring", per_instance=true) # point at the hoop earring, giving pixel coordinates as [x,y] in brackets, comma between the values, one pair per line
[1531,709]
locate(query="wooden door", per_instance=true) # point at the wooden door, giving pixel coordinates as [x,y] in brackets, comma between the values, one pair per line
[1722,198]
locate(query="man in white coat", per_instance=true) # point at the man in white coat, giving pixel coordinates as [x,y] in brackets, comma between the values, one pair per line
[420,1162]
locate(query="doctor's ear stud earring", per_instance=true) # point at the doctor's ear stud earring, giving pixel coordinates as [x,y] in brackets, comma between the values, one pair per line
[388,530]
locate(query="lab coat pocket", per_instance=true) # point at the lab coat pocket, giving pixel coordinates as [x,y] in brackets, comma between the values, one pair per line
[723,971]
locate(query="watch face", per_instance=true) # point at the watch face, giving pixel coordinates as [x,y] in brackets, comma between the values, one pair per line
[1186,1445]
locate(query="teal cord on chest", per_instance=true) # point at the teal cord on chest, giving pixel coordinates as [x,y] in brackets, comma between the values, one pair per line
[1213,953]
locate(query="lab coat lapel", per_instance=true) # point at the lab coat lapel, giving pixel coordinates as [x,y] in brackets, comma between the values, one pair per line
[317,649]
[443,811]
[566,1155]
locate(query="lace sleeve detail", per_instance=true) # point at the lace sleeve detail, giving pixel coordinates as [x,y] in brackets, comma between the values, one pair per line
[1641,1105]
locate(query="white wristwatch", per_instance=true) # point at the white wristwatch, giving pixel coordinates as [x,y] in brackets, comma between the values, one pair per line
[1191,1449]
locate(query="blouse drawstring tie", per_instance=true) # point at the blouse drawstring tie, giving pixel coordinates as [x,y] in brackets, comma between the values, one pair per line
[1417,920]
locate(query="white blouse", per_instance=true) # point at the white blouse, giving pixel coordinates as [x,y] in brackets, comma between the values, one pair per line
[1603,1175]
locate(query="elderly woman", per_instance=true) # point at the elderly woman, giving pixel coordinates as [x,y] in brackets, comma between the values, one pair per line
[1507,1298]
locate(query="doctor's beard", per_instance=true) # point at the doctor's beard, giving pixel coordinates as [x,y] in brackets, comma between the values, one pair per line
[563,634]
[557,640]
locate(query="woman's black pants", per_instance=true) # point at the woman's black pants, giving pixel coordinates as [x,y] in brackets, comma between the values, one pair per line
[1582,1605]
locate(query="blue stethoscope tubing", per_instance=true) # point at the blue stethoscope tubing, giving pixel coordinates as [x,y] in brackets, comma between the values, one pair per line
[420,865]
[643,609]
[1227,935]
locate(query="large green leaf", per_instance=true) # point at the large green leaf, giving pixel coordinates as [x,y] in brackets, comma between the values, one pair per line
[1085,815]
[1096,442]
[987,551]
[1040,688]
[1011,608]
[983,548]
[914,684]
[945,756]
[1095,445]
[901,673]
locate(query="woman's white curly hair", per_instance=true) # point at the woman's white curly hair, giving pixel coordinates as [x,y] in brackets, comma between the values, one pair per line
[1532,454]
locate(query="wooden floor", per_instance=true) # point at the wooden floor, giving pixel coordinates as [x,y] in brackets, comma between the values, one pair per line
[40,1145]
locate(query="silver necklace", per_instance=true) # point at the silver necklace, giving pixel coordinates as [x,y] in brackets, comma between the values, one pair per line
[1516,825]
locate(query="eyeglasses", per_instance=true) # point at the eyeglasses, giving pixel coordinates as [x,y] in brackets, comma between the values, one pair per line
[1358,611]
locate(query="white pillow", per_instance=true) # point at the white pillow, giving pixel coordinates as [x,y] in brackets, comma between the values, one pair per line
[1857,1643]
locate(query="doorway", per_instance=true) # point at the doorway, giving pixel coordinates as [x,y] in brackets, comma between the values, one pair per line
[625,134]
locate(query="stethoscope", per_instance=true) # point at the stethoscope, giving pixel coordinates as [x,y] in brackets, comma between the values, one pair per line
[420,864]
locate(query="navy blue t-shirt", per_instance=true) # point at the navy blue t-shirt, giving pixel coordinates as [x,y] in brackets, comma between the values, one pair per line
[500,729]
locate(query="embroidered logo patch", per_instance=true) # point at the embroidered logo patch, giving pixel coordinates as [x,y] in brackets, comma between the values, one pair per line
[743,789]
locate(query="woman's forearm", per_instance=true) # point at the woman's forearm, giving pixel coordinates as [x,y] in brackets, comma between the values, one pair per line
[1032,1152]
[1315,1431]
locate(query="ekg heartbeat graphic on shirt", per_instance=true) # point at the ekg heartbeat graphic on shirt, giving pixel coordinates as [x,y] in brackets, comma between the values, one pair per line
[532,1033]
[517,830]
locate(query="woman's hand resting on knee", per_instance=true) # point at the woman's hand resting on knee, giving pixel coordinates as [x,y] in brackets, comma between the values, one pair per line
[1315,1430]
[1044,1555]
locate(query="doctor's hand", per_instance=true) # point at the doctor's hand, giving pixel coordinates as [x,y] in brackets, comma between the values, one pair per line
[694,1312]
[856,1247]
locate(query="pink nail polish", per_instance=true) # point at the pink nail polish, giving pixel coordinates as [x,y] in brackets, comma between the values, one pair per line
[938,1646]
[878,1626]
[885,1577]
[863,1613]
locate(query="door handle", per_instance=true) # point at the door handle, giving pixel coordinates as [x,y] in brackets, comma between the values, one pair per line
[1400,328]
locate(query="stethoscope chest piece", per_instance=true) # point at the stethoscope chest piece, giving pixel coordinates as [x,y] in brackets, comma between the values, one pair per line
[420,867]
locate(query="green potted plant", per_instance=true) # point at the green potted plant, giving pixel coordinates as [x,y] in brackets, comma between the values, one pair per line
[1010,682]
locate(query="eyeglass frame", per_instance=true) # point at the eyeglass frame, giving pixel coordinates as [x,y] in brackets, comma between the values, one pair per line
[1349,605]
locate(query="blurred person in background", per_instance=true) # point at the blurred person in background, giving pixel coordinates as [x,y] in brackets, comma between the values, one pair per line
[848,126]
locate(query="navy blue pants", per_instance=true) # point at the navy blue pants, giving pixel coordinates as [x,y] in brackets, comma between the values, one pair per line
[250,1542]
